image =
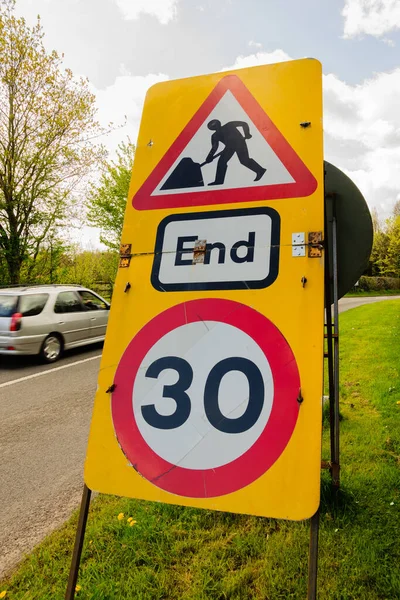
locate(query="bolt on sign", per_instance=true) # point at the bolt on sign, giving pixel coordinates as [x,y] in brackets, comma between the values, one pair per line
[210,385]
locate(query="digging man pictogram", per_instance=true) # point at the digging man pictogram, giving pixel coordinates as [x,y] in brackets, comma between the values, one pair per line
[235,143]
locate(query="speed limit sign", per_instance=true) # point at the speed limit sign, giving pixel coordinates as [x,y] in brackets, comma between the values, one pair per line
[210,383]
[206,398]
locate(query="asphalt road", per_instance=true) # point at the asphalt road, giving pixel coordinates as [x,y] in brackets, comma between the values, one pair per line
[347,303]
[45,414]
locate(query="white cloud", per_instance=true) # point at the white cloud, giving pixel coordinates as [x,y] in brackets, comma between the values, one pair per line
[389,42]
[361,129]
[374,17]
[253,44]
[124,98]
[121,104]
[163,10]
[362,134]
[259,58]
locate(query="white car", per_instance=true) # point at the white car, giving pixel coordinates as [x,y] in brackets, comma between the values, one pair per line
[48,319]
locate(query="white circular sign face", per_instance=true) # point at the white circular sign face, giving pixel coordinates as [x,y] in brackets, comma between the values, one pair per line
[213,365]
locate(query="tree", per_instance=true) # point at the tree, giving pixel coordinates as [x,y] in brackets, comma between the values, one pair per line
[92,268]
[44,268]
[379,252]
[396,209]
[391,261]
[107,200]
[376,225]
[47,147]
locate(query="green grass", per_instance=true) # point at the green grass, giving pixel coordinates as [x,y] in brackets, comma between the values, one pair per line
[187,554]
[355,294]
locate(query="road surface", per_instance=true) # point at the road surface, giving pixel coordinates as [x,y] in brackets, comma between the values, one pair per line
[44,422]
[347,303]
[45,414]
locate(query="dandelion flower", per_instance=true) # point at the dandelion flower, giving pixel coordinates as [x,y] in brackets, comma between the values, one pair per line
[78,588]
[3,594]
[130,519]
[120,516]
[132,523]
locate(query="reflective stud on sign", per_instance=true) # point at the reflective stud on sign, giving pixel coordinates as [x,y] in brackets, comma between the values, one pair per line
[298,244]
[202,428]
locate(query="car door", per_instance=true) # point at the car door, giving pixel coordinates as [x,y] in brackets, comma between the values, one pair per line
[71,318]
[98,311]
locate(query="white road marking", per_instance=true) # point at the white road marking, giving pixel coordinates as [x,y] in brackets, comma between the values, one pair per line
[77,362]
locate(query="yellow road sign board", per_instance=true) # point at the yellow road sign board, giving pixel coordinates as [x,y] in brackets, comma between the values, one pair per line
[210,385]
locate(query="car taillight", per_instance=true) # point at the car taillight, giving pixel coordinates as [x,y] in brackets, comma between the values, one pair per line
[15,324]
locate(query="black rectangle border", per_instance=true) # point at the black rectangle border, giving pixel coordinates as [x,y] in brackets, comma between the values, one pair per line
[226,285]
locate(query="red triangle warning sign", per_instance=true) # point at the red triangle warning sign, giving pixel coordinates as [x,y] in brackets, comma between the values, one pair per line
[230,151]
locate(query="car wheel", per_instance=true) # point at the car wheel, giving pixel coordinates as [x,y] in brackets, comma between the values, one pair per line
[52,348]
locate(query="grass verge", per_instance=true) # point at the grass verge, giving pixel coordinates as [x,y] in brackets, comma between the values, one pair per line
[188,554]
[362,294]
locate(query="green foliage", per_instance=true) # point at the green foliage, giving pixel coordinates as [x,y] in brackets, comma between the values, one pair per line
[370,284]
[391,263]
[385,255]
[95,270]
[379,252]
[58,263]
[46,130]
[107,200]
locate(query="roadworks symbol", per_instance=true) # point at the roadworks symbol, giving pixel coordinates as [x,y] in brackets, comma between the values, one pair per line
[230,151]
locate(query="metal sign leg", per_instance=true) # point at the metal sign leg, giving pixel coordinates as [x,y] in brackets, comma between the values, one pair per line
[80,535]
[332,337]
[313,558]
[335,461]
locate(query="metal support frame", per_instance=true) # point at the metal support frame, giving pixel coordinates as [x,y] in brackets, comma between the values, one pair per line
[335,456]
[313,557]
[80,536]
[332,336]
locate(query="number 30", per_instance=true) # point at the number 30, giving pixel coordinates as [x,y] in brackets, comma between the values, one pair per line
[177,392]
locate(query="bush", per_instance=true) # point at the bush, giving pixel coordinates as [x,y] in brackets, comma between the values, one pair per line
[369,284]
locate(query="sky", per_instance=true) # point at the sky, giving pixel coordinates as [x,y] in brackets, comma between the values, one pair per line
[125,46]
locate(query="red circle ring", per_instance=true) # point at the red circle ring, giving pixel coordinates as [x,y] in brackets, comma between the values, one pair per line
[266,449]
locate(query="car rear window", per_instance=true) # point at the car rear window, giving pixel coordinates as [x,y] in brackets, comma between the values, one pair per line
[32,304]
[8,304]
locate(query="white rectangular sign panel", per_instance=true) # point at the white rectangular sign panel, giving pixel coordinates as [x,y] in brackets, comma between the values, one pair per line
[217,250]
